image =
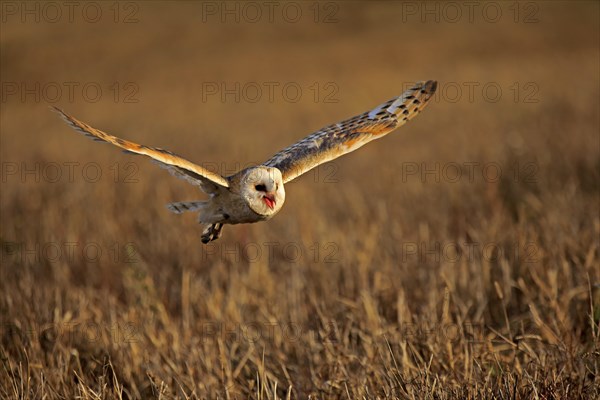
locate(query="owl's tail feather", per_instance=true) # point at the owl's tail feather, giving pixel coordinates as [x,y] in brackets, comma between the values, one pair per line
[212,231]
[184,206]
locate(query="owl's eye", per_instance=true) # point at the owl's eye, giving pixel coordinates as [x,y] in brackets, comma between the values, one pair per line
[261,188]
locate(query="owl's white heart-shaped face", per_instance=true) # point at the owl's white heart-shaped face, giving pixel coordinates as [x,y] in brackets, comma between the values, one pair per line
[262,188]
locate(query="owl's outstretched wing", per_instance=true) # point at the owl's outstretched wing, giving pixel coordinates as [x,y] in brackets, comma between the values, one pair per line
[179,167]
[336,140]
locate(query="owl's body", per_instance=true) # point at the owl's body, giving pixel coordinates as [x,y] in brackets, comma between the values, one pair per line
[240,202]
[257,193]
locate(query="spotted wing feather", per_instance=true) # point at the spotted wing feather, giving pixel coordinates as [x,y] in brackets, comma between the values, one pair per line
[180,167]
[336,140]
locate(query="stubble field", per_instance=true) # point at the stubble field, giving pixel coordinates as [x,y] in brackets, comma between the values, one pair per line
[455,258]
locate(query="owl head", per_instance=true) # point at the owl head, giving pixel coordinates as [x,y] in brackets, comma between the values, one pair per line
[262,188]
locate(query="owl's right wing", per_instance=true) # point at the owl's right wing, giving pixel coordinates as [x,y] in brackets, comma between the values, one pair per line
[177,166]
[338,139]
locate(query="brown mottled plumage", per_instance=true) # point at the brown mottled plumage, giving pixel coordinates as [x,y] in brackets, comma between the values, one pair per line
[342,138]
[257,193]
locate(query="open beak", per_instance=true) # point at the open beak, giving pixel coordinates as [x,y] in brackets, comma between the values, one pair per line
[269,200]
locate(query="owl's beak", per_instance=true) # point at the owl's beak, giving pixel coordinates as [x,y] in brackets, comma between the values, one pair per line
[269,199]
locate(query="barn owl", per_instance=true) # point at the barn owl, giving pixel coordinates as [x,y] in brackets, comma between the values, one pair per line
[257,193]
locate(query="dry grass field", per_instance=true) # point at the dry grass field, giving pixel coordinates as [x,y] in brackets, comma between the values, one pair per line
[458,257]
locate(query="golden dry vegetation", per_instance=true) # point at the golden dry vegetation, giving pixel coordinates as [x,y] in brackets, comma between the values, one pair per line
[456,258]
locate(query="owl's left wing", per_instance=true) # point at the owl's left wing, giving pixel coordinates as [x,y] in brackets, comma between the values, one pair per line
[336,140]
[208,181]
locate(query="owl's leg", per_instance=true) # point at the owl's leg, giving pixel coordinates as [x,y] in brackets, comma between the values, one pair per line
[211,232]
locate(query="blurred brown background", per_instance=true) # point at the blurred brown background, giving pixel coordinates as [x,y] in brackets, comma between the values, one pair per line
[501,233]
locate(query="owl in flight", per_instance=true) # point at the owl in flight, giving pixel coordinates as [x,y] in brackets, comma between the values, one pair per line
[257,193]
